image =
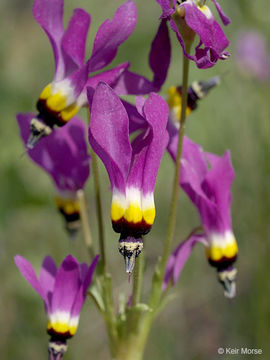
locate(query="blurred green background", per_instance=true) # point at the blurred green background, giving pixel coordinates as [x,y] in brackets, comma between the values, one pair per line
[234,116]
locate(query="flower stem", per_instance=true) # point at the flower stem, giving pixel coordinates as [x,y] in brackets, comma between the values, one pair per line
[137,280]
[98,206]
[85,223]
[110,318]
[99,210]
[173,211]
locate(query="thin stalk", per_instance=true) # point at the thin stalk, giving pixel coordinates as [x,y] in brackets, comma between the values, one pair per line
[137,280]
[110,317]
[85,223]
[99,210]
[101,238]
[173,211]
[109,312]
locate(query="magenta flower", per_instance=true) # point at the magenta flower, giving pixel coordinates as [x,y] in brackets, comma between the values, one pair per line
[66,94]
[210,191]
[64,156]
[191,17]
[252,56]
[63,291]
[132,167]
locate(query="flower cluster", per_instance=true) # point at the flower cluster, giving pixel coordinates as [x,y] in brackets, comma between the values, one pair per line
[63,155]
[130,140]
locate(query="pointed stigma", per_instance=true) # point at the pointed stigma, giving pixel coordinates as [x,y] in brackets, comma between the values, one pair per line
[130,248]
[37,131]
[227,278]
[57,349]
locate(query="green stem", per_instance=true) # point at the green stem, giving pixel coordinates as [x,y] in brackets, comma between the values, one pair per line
[173,211]
[110,318]
[99,211]
[108,313]
[85,223]
[137,280]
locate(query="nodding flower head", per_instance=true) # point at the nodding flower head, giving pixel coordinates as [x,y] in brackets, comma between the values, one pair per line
[197,91]
[210,191]
[63,291]
[61,99]
[132,166]
[64,156]
[190,17]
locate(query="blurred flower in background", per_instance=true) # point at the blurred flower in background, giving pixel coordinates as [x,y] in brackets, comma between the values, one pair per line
[210,191]
[63,291]
[252,57]
[64,156]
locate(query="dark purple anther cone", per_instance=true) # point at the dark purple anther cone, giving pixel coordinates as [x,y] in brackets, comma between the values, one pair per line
[57,349]
[37,131]
[227,278]
[202,88]
[130,247]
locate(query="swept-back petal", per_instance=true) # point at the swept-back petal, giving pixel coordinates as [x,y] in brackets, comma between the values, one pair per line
[211,36]
[179,257]
[78,80]
[63,154]
[193,172]
[165,5]
[109,134]
[156,113]
[218,182]
[74,40]
[131,83]
[159,61]
[160,55]
[136,120]
[193,168]
[29,274]
[193,163]
[225,19]
[66,286]
[49,15]
[86,281]
[183,252]
[111,34]
[140,146]
[111,77]
[47,277]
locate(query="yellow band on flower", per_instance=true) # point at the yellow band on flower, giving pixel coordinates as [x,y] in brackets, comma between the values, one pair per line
[69,112]
[61,328]
[117,211]
[218,250]
[57,102]
[174,101]
[132,214]
[69,206]
[149,215]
